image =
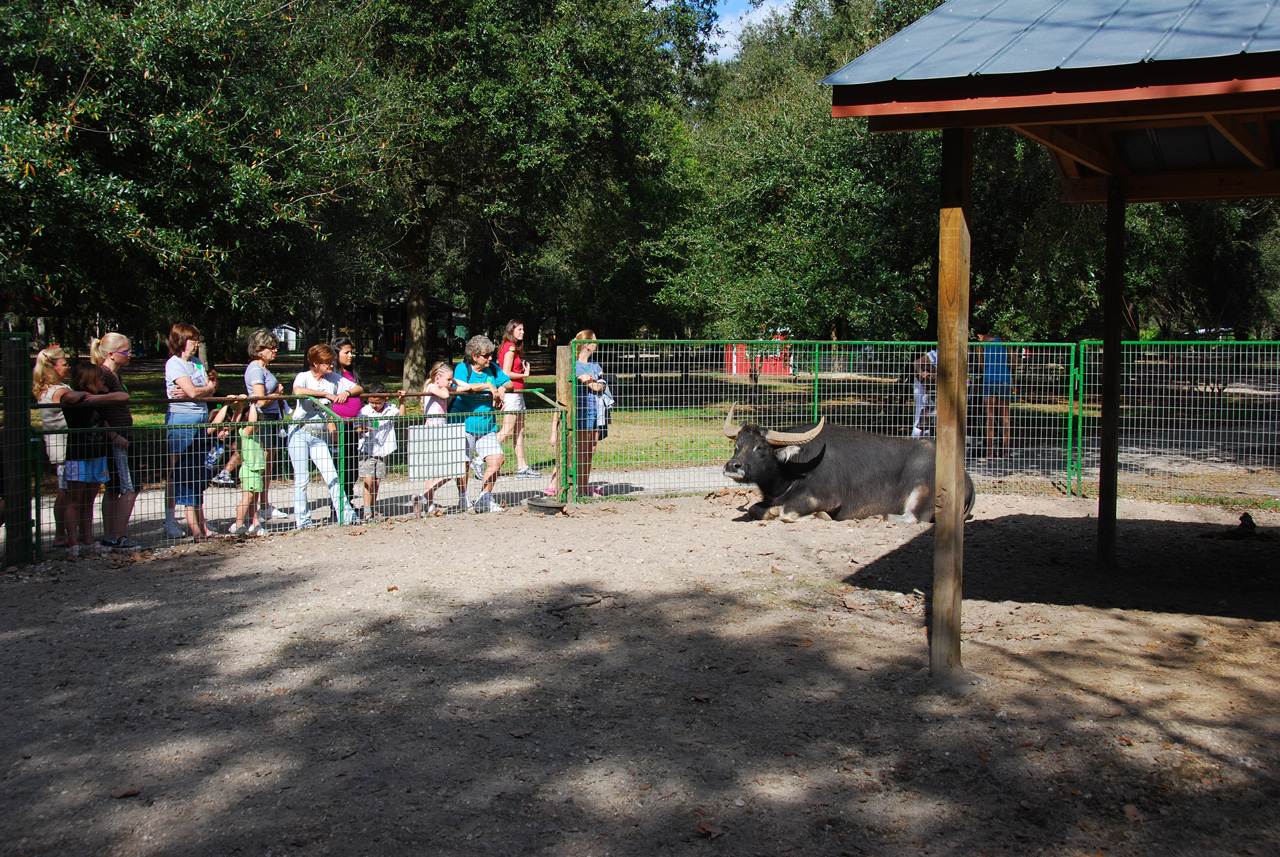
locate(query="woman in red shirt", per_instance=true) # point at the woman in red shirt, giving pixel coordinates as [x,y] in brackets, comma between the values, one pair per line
[511,361]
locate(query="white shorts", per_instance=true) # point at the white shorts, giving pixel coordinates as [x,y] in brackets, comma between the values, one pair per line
[512,402]
[483,445]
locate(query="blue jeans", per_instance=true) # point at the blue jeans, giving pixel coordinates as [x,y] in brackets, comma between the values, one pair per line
[306,449]
[188,447]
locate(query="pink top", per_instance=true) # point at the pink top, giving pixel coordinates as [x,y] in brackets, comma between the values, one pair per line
[517,365]
[351,407]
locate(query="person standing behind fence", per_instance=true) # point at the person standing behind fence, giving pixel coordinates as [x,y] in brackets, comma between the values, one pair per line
[924,390]
[436,405]
[312,432]
[253,464]
[187,385]
[592,407]
[349,466]
[511,361]
[480,387]
[87,451]
[113,352]
[260,381]
[997,388]
[377,441]
[48,386]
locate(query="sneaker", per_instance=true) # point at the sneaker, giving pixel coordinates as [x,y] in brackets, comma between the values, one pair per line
[477,467]
[99,547]
[74,551]
[487,503]
[173,530]
[433,510]
[124,543]
[552,490]
[238,530]
[256,530]
[266,513]
[224,479]
[527,472]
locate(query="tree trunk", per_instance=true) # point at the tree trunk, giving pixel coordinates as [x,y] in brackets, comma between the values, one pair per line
[417,313]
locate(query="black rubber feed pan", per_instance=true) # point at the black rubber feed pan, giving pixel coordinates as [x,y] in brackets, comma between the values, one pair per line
[545,505]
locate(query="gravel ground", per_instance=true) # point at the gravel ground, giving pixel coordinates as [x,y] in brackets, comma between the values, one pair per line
[651,677]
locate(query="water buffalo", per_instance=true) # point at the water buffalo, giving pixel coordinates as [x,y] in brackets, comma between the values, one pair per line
[835,472]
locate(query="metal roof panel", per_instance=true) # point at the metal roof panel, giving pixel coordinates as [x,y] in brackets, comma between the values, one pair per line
[964,38]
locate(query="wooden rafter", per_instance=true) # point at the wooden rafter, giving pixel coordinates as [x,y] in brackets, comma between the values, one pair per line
[1067,144]
[1239,131]
[1172,186]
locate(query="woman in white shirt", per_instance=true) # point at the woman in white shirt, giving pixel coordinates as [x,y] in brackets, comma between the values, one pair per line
[314,430]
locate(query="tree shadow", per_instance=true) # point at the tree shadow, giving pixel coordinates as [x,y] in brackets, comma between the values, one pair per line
[197,708]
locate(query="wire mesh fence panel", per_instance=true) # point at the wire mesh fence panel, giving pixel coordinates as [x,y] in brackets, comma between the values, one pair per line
[382,466]
[1199,421]
[665,434]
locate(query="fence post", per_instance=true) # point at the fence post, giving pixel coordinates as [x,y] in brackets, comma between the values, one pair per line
[14,351]
[567,466]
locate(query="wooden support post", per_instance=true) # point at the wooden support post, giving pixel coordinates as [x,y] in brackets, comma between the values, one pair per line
[566,459]
[1112,368]
[953,346]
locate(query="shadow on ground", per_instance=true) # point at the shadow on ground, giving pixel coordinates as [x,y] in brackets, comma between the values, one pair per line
[198,709]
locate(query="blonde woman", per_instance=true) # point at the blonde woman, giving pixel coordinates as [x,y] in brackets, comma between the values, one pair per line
[49,383]
[113,352]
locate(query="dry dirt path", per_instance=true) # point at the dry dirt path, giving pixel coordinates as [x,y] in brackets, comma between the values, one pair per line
[650,677]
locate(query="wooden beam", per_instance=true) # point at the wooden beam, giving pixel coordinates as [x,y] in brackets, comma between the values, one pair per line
[1065,143]
[1047,108]
[1235,129]
[1174,186]
[1112,363]
[953,339]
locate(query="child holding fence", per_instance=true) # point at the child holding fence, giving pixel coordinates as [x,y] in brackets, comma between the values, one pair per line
[85,469]
[438,389]
[377,442]
[253,466]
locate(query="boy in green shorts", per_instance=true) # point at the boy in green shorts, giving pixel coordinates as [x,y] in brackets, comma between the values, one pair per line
[253,465]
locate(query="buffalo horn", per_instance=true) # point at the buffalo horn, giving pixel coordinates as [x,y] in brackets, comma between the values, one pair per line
[730,428]
[783,438]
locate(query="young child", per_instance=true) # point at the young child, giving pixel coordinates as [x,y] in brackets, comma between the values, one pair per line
[378,441]
[253,466]
[85,469]
[438,389]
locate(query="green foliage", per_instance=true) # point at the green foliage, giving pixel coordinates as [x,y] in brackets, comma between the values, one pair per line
[165,160]
[814,225]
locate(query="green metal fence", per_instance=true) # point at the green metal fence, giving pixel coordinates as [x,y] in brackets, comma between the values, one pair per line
[1199,422]
[665,435]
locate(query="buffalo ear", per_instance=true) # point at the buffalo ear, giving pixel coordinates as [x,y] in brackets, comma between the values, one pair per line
[786,453]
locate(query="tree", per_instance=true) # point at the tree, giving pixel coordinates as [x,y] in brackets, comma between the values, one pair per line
[531,151]
[167,160]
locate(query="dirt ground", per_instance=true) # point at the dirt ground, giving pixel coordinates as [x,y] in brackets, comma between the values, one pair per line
[651,678]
